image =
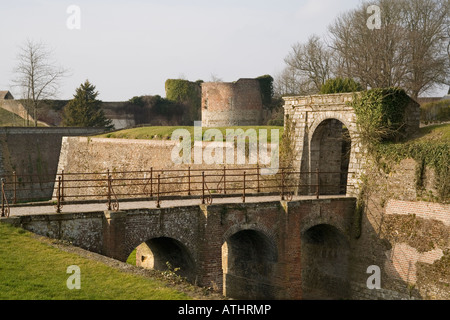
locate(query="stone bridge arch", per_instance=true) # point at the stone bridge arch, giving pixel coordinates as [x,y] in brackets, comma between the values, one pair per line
[249,263]
[159,236]
[166,253]
[326,263]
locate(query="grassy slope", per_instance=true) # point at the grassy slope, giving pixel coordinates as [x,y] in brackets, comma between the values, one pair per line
[9,119]
[33,270]
[436,133]
[165,132]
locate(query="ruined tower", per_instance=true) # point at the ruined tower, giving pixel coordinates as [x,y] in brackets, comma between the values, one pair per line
[231,103]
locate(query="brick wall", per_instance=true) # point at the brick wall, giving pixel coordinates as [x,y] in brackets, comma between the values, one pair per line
[422,209]
[231,104]
[263,259]
[408,239]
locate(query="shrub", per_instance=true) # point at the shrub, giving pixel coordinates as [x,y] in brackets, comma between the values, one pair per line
[340,85]
[380,114]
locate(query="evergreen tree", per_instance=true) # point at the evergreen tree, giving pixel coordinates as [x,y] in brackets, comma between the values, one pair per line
[84,110]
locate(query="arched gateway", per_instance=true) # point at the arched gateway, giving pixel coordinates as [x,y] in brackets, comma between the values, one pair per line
[326,140]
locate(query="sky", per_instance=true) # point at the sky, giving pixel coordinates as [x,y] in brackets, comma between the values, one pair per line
[130,48]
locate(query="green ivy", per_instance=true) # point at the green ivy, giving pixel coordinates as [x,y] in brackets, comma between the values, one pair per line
[266,87]
[435,155]
[187,93]
[380,114]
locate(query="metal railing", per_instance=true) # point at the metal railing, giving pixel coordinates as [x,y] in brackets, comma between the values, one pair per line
[160,185]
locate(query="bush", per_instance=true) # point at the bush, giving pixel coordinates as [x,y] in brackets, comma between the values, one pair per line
[340,85]
[380,114]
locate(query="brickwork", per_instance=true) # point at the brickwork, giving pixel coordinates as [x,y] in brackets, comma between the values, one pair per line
[231,104]
[408,239]
[250,250]
[422,209]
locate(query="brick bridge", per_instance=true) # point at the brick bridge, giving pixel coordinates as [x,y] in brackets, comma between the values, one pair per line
[264,250]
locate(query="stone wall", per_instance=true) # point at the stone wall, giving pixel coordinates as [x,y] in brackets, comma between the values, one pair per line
[80,155]
[33,153]
[231,104]
[310,114]
[408,238]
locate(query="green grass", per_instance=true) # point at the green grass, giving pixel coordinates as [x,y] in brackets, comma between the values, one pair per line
[165,132]
[436,133]
[33,270]
[9,119]
[430,147]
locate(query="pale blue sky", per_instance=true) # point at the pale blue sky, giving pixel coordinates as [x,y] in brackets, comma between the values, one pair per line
[129,48]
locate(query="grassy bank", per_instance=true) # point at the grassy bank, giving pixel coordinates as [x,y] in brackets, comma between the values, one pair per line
[165,132]
[31,269]
[430,147]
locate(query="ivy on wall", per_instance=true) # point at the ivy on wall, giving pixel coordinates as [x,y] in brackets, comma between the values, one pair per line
[266,87]
[435,155]
[340,85]
[380,118]
[187,93]
[380,114]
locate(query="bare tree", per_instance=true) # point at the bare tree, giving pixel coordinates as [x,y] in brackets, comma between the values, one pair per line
[375,57]
[37,75]
[215,78]
[427,24]
[409,50]
[313,61]
[289,82]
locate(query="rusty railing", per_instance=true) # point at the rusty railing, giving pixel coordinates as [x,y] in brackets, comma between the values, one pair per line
[159,185]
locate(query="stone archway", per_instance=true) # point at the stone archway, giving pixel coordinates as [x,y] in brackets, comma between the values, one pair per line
[330,149]
[325,261]
[248,263]
[163,253]
[312,116]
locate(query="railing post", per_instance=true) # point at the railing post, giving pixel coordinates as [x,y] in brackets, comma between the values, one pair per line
[203,187]
[58,196]
[224,180]
[282,184]
[15,187]
[62,185]
[318,183]
[189,181]
[243,194]
[158,205]
[151,182]
[109,191]
[3,197]
[258,170]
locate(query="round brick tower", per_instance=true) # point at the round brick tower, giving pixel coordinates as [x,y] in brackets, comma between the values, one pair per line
[231,103]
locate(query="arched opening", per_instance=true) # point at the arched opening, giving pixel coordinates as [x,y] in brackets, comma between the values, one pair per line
[330,155]
[248,261]
[325,265]
[166,254]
